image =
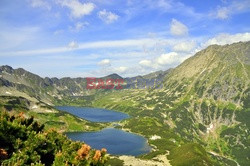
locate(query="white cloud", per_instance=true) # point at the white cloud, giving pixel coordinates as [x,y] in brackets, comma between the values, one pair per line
[235,7]
[164,4]
[135,44]
[164,61]
[40,4]
[78,9]
[225,38]
[107,16]
[121,69]
[104,63]
[185,46]
[146,63]
[79,26]
[118,43]
[168,58]
[73,45]
[177,28]
[222,13]
[127,43]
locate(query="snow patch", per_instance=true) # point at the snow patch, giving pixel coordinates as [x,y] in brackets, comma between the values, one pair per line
[49,111]
[34,107]
[164,115]
[8,93]
[155,137]
[210,128]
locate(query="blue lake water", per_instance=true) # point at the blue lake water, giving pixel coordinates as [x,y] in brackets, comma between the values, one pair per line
[94,114]
[117,142]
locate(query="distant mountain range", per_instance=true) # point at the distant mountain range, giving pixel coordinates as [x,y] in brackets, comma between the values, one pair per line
[19,81]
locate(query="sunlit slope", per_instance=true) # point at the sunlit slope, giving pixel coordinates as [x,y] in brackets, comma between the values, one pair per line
[205,100]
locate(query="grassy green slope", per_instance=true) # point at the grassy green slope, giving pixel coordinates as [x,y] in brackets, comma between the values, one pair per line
[47,115]
[204,100]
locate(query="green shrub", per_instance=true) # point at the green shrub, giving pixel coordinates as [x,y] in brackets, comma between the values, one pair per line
[25,142]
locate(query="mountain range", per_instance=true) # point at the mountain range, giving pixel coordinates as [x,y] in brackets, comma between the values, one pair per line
[200,112]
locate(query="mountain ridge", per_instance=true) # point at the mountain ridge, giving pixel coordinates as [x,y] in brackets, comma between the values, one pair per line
[46,89]
[205,101]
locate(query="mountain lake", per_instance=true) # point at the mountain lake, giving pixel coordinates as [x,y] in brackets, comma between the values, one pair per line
[116,141]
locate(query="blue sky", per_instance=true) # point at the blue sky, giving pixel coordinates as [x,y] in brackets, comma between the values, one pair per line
[80,38]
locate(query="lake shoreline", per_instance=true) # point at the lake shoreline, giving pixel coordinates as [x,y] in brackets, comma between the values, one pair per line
[122,138]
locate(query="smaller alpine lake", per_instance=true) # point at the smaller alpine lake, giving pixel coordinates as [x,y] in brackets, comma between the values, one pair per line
[116,141]
[94,114]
